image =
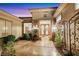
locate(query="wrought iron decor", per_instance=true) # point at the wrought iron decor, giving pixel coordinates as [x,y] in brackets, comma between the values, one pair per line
[71,35]
[74,35]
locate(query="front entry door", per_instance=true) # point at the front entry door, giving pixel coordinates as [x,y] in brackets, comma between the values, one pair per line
[44,29]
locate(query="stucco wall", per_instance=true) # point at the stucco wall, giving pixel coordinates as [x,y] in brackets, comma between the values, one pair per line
[9,25]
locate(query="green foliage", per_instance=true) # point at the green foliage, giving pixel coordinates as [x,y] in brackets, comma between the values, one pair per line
[26,36]
[9,38]
[34,30]
[31,36]
[58,39]
[8,49]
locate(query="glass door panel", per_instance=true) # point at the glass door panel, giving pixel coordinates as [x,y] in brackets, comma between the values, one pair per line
[42,29]
[46,29]
[27,27]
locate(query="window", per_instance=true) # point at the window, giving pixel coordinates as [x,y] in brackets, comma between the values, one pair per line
[27,27]
[5,28]
[2,28]
[8,27]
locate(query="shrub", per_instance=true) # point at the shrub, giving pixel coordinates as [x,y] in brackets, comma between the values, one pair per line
[58,39]
[9,38]
[31,36]
[8,49]
[26,36]
[34,32]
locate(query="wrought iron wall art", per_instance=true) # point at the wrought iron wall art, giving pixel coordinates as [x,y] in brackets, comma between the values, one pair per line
[71,35]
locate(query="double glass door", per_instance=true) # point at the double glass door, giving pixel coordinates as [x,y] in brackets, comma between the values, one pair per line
[44,29]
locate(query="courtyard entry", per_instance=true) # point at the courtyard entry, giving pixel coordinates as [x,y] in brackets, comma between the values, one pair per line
[44,29]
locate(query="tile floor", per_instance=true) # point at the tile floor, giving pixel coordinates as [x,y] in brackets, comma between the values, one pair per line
[43,47]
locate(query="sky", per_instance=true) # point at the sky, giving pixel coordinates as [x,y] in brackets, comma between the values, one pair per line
[22,9]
